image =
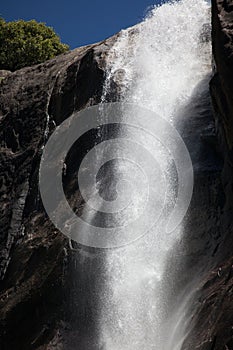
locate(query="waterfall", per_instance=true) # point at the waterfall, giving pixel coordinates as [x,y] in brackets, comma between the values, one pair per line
[136,183]
[156,66]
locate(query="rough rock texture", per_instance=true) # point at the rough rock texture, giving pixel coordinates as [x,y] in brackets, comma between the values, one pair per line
[213,319]
[33,255]
[4,73]
[36,310]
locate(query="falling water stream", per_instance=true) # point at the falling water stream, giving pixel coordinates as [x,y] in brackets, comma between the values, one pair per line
[155,65]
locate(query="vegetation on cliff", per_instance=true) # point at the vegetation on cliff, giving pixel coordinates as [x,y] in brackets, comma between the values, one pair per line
[25,43]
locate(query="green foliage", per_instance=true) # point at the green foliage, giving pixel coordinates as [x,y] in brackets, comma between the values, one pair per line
[26,43]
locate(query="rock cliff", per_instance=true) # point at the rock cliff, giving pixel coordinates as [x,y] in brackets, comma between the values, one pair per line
[214,316]
[33,256]
[36,260]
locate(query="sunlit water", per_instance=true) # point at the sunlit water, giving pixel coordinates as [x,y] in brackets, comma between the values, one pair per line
[157,64]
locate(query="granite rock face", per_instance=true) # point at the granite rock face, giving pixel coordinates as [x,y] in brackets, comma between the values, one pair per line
[33,255]
[213,318]
[36,260]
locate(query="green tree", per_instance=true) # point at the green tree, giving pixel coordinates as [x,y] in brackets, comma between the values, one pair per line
[24,43]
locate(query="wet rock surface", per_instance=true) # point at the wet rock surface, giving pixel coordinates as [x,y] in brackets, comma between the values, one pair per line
[212,321]
[39,302]
[33,255]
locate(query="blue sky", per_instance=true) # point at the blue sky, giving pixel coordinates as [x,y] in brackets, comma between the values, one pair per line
[79,22]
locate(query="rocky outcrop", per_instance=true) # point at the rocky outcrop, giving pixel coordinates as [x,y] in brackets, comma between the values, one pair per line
[33,255]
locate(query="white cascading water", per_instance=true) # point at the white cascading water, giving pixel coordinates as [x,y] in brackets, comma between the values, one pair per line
[158,64]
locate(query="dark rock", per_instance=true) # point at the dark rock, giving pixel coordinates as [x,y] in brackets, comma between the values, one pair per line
[212,320]
[33,255]
[35,308]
